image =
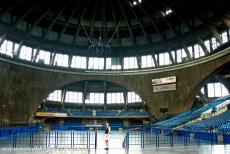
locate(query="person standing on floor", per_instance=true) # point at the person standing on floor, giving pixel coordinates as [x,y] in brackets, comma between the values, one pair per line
[107,135]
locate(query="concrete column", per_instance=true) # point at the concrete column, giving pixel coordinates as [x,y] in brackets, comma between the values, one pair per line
[155,61]
[52,58]
[87,62]
[70,60]
[17,51]
[84,95]
[105,96]
[104,63]
[34,58]
[206,91]
[63,99]
[125,99]
[121,61]
[138,61]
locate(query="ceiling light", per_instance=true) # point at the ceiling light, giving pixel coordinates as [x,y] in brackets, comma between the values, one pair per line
[168,11]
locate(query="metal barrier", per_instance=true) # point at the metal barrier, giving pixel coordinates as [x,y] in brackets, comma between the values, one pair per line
[33,137]
[18,125]
[50,139]
[158,138]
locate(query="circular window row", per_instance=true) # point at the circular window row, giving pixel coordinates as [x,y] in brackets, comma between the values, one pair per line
[55,59]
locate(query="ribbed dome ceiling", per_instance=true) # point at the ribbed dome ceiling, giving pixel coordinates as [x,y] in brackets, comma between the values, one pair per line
[124,22]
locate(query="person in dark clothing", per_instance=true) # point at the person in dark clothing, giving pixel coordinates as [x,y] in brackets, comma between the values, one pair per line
[107,132]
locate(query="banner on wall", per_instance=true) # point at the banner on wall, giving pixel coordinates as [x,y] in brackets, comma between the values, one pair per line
[50,114]
[165,80]
[167,87]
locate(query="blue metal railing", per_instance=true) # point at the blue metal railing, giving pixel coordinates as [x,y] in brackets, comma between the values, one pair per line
[164,137]
[34,137]
[49,139]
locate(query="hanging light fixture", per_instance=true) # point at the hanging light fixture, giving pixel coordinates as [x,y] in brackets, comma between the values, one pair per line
[99,47]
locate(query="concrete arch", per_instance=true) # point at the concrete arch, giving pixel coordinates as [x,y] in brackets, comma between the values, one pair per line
[99,83]
[22,87]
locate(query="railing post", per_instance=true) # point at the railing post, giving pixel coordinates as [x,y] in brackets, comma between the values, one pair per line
[198,142]
[157,138]
[127,146]
[49,139]
[143,139]
[14,139]
[56,139]
[71,137]
[171,140]
[95,139]
[87,137]
[46,140]
[16,136]
[31,139]
[185,140]
[214,137]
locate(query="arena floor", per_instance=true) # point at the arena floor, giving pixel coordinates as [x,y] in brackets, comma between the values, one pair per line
[205,149]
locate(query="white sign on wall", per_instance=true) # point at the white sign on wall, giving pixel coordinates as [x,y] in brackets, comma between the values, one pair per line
[167,87]
[164,84]
[165,80]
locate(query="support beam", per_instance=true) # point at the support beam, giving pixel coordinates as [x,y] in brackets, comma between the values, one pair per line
[18,20]
[104,67]
[127,21]
[54,21]
[87,62]
[115,20]
[157,11]
[173,61]
[125,99]
[163,39]
[139,22]
[226,21]
[60,35]
[203,97]
[105,95]
[224,81]
[70,60]
[194,32]
[52,58]
[38,20]
[121,59]
[11,7]
[138,61]
[216,35]
[206,91]
[210,27]
[91,34]
[17,52]
[79,26]
[84,95]
[34,58]
[63,96]
[155,60]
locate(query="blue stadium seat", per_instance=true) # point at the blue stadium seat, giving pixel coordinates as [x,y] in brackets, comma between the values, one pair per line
[210,123]
[189,115]
[108,113]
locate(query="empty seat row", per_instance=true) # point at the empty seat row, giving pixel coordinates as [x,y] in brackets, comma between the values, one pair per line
[211,123]
[189,115]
